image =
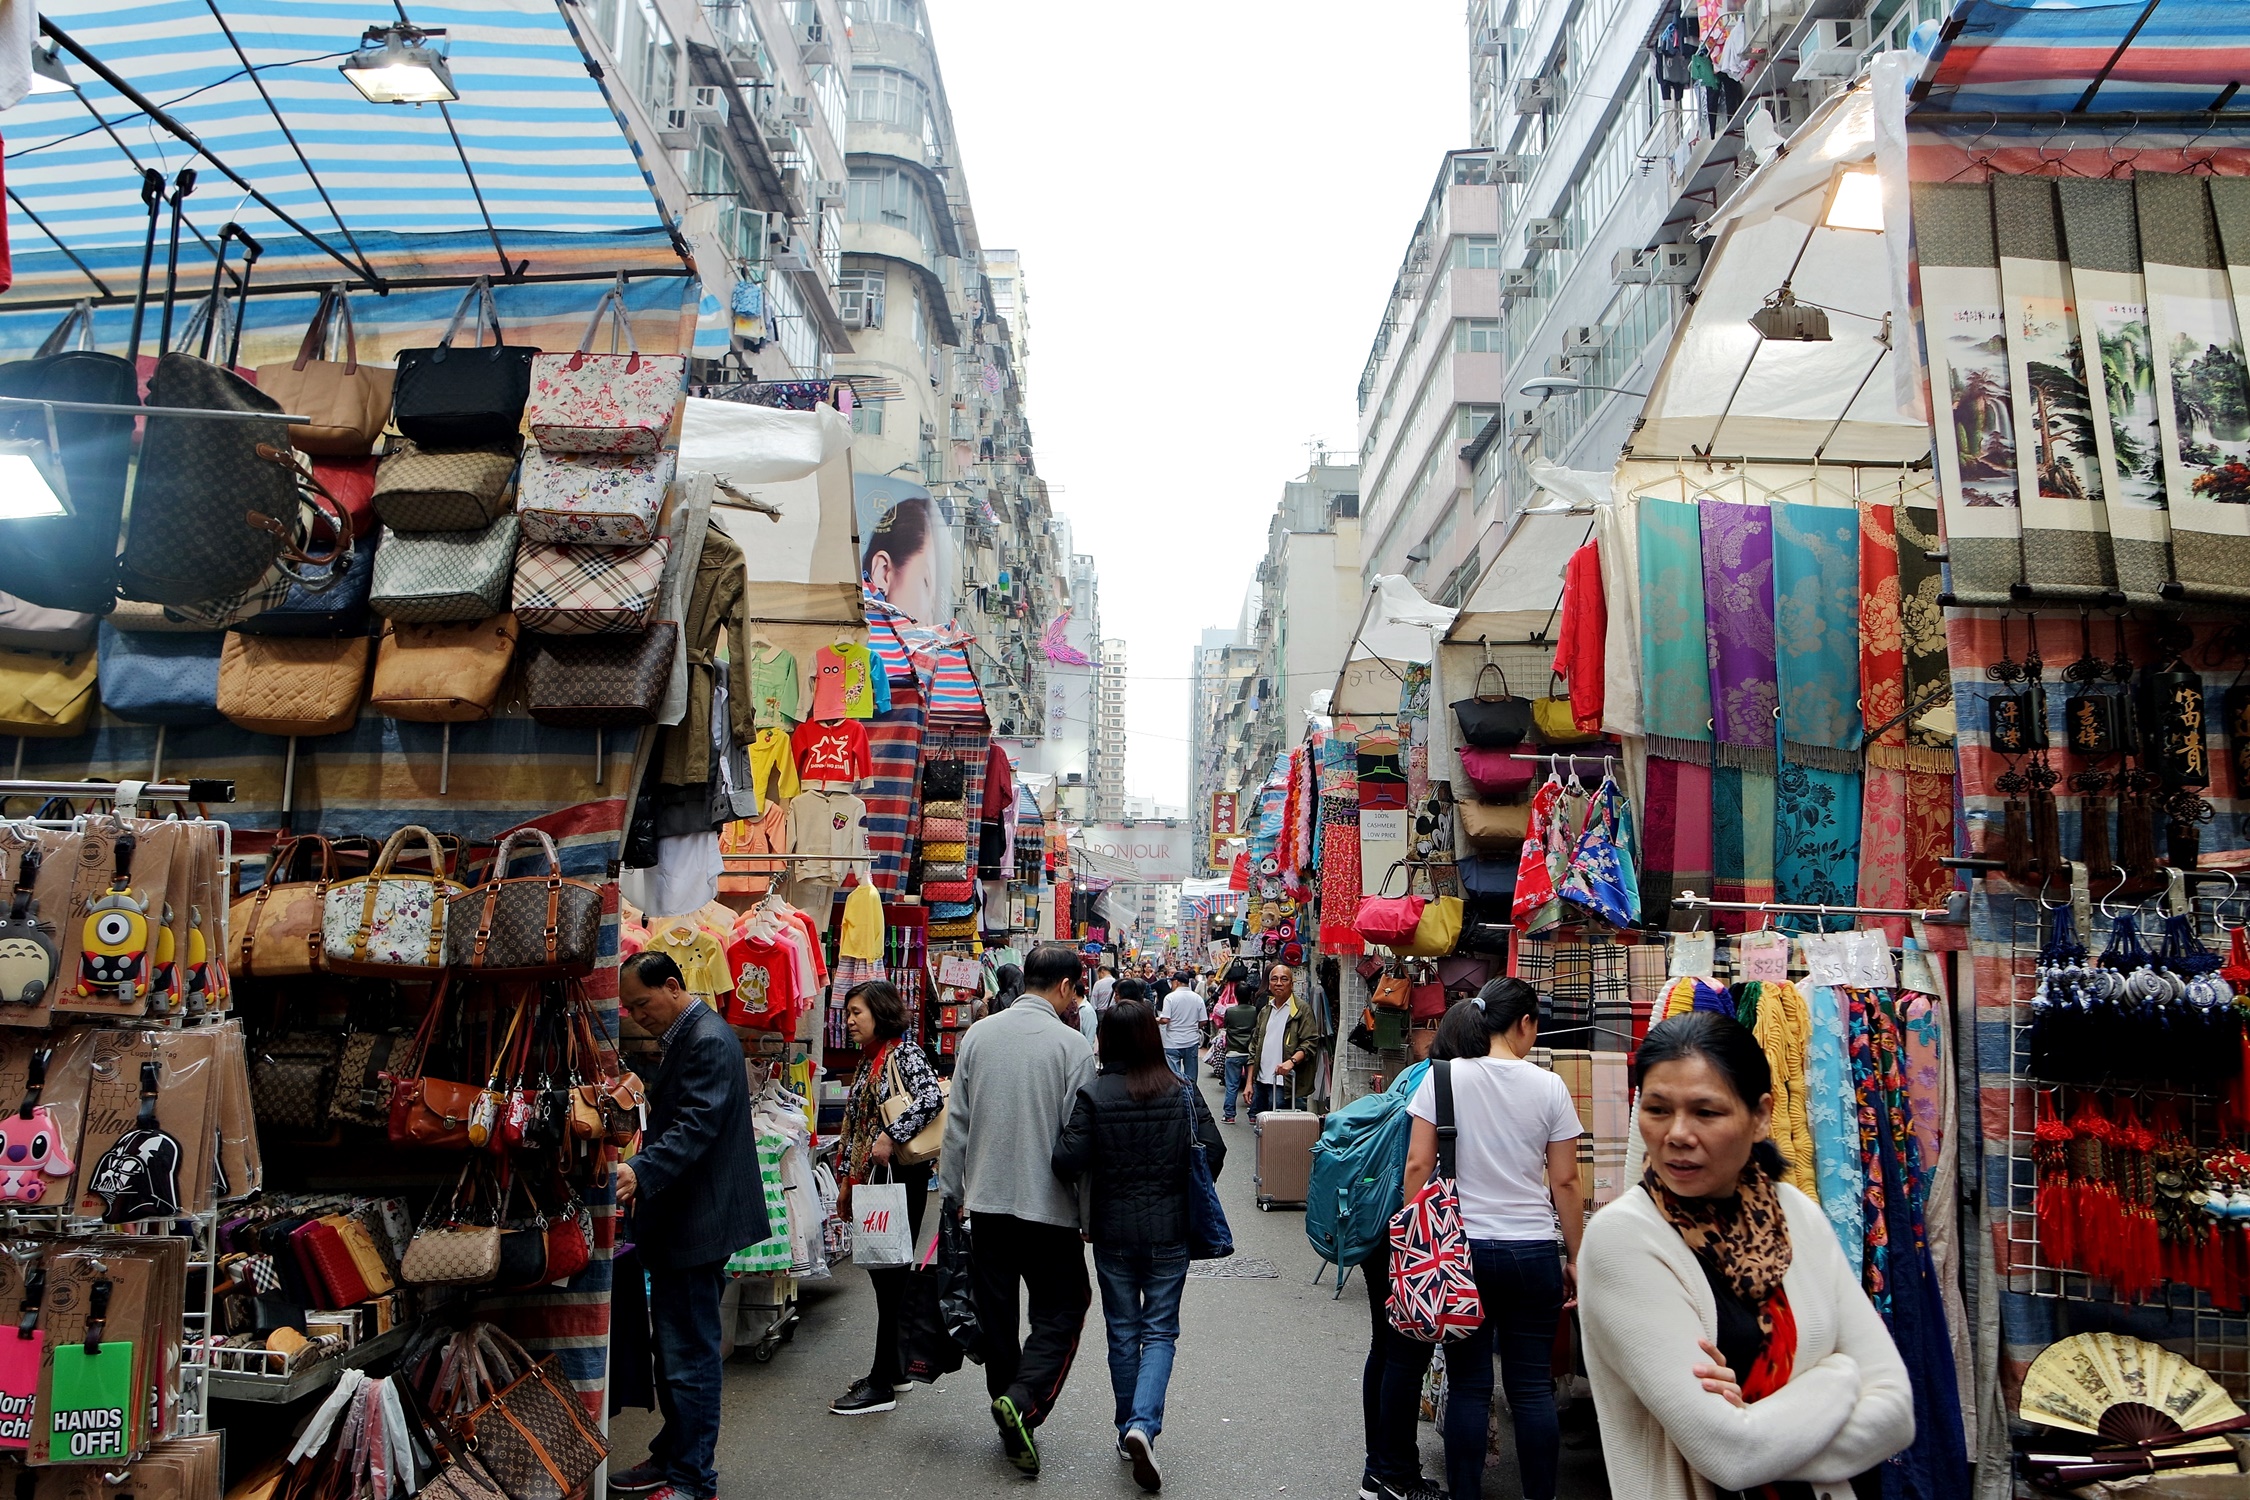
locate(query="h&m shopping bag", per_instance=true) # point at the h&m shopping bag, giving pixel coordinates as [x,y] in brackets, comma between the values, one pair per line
[882,1236]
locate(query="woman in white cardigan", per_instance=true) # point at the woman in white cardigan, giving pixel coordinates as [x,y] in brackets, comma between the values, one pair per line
[1730,1348]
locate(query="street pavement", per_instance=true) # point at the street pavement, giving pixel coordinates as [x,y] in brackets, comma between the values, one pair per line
[1264,1399]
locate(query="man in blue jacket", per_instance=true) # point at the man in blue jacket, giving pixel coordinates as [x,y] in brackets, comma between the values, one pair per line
[696,1198]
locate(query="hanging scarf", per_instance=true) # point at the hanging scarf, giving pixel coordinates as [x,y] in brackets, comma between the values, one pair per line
[1675,657]
[1816,841]
[1744,1239]
[1816,620]
[1834,1123]
[1738,600]
[1676,849]
[863,1114]
[1783,1026]
[1600,877]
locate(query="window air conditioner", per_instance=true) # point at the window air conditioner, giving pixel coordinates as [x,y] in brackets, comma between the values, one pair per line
[795,109]
[829,190]
[1518,281]
[1489,41]
[1675,265]
[1526,425]
[1511,168]
[1627,267]
[1543,234]
[707,104]
[813,44]
[676,131]
[1560,364]
[1533,95]
[791,253]
[1584,338]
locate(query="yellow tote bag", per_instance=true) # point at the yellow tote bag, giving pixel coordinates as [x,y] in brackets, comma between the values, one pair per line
[47,695]
[1437,932]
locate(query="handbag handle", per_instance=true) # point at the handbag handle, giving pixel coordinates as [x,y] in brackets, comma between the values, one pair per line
[612,304]
[312,492]
[57,341]
[316,333]
[479,296]
[554,883]
[546,842]
[1384,884]
[1505,691]
[374,884]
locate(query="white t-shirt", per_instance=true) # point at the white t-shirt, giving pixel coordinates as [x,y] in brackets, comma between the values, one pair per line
[1102,988]
[1506,1112]
[1269,1056]
[1183,1019]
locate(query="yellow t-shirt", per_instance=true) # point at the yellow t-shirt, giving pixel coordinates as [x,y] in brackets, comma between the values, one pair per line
[702,961]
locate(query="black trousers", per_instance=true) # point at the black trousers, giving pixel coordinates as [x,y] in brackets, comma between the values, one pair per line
[1049,1263]
[1390,1384]
[890,1282]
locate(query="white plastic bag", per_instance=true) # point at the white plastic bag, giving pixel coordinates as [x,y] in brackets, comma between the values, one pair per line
[881,1233]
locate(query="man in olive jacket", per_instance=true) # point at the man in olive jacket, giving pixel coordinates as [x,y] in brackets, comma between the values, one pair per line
[1285,1046]
[696,1198]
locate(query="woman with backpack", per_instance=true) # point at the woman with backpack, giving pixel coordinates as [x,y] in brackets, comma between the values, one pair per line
[1729,1344]
[1130,1132]
[1515,1170]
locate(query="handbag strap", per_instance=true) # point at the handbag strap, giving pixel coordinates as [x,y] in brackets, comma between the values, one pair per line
[295,554]
[334,300]
[611,305]
[1441,1072]
[1500,671]
[507,1045]
[57,340]
[478,296]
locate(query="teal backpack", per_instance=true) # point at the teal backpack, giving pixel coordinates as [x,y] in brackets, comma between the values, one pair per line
[1359,1175]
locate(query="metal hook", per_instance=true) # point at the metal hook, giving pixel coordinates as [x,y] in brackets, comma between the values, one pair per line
[2219,907]
[2102,905]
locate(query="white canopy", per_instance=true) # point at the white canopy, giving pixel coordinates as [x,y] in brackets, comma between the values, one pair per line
[1523,583]
[1397,628]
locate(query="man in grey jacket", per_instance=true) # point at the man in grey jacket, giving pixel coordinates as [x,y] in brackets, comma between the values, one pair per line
[1013,1083]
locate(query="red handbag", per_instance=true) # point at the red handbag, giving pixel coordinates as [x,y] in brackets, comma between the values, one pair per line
[567,1250]
[1427,1002]
[352,482]
[1496,774]
[328,1265]
[1389,920]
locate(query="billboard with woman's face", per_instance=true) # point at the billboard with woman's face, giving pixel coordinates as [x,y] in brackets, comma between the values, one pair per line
[905,551]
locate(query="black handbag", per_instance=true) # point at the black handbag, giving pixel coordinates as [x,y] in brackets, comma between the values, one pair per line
[1492,721]
[460,398]
[332,601]
[70,562]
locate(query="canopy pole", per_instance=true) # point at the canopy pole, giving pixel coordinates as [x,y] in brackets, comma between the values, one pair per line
[25,209]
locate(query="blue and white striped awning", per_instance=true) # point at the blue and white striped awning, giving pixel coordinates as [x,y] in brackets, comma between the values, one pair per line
[2041,56]
[545,150]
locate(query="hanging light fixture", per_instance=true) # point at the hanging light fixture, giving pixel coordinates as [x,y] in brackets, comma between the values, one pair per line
[392,66]
[31,476]
[1785,318]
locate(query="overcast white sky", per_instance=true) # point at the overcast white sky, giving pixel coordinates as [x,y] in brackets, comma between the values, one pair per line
[1211,202]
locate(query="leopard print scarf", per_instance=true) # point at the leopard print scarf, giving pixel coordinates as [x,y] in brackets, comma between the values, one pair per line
[1744,1239]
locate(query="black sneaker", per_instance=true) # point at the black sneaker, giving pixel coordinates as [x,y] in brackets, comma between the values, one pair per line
[1015,1436]
[865,1397]
[1417,1488]
[1142,1451]
[646,1475]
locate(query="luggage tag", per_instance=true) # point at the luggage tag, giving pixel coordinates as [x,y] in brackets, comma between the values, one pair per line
[19,1362]
[114,945]
[31,1144]
[164,966]
[29,955]
[139,1177]
[92,1391]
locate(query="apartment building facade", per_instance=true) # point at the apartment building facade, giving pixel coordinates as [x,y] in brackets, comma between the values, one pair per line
[1107,767]
[1208,687]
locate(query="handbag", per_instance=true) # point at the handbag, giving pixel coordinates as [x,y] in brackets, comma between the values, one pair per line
[1437,930]
[1486,938]
[448,397]
[563,590]
[451,489]
[45,695]
[526,924]
[161,679]
[275,929]
[593,499]
[1491,825]
[427,1111]
[897,1101]
[612,1105]
[391,925]
[1492,721]
[1433,1280]
[361,1097]
[1553,720]
[215,504]
[1426,1003]
[292,1081]
[292,685]
[332,601]
[1494,774]
[521,1419]
[1388,920]
[599,681]
[454,1250]
[70,561]
[444,577]
[352,482]
[605,403]
[1208,1234]
[348,402]
[443,674]
[25,626]
[1391,992]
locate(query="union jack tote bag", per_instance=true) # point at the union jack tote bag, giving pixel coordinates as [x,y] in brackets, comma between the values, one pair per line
[1433,1281]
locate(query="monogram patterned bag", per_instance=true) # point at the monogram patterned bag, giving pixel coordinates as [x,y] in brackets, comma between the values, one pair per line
[604,403]
[209,516]
[526,924]
[454,489]
[599,681]
[388,924]
[588,590]
[443,577]
[593,499]
[518,1415]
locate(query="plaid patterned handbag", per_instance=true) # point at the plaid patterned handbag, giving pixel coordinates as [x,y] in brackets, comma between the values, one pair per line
[1433,1281]
[587,590]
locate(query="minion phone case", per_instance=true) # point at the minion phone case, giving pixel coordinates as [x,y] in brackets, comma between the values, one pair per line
[113,957]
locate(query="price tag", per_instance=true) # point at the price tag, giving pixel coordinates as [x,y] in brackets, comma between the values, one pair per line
[1694,955]
[1762,956]
[959,972]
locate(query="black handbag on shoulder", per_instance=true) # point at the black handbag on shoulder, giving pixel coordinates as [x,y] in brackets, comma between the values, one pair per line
[462,398]
[1492,721]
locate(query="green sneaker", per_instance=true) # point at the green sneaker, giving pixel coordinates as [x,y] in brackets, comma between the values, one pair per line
[1015,1436]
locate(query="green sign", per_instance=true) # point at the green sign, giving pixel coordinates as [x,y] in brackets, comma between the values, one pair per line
[92,1393]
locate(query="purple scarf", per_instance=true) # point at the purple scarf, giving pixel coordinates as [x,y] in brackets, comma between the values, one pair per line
[1738,631]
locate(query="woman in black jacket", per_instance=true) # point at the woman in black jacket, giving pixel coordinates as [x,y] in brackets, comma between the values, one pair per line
[1129,1133]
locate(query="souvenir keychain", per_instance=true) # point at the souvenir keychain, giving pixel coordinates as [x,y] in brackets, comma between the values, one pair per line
[164,966]
[198,986]
[113,948]
[31,1144]
[139,1177]
[28,955]
[19,1360]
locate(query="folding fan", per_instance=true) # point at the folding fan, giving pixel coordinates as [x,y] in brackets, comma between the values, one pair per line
[2126,1391]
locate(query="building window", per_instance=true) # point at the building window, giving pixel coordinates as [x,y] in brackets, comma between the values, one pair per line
[1477,336]
[1470,420]
[893,197]
[1477,252]
[867,418]
[907,13]
[646,56]
[884,96]
[859,299]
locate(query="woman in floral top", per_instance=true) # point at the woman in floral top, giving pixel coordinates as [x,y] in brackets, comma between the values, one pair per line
[875,1017]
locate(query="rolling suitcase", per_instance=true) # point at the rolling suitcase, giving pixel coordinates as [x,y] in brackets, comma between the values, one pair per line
[1285,1142]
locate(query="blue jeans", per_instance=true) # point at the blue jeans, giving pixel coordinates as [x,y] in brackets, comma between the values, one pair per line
[1237,1073]
[1183,1061]
[683,1310]
[1141,1290]
[1521,1285]
[1265,1096]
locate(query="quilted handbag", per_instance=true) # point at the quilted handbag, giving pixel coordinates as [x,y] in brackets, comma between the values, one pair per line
[599,681]
[348,402]
[25,626]
[332,601]
[161,679]
[449,397]
[605,403]
[526,924]
[588,590]
[593,499]
[448,489]
[443,674]
[210,514]
[275,931]
[1489,720]
[46,695]
[391,924]
[70,561]
[1433,1281]
[523,1421]
[442,577]
[1494,773]
[293,685]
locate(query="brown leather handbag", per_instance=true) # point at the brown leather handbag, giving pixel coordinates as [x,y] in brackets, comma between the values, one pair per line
[276,928]
[526,924]
[599,681]
[348,402]
[443,674]
[292,685]
[608,1101]
[429,1111]
[523,1421]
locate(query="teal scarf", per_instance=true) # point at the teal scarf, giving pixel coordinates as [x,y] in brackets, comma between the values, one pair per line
[1675,658]
[1816,634]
